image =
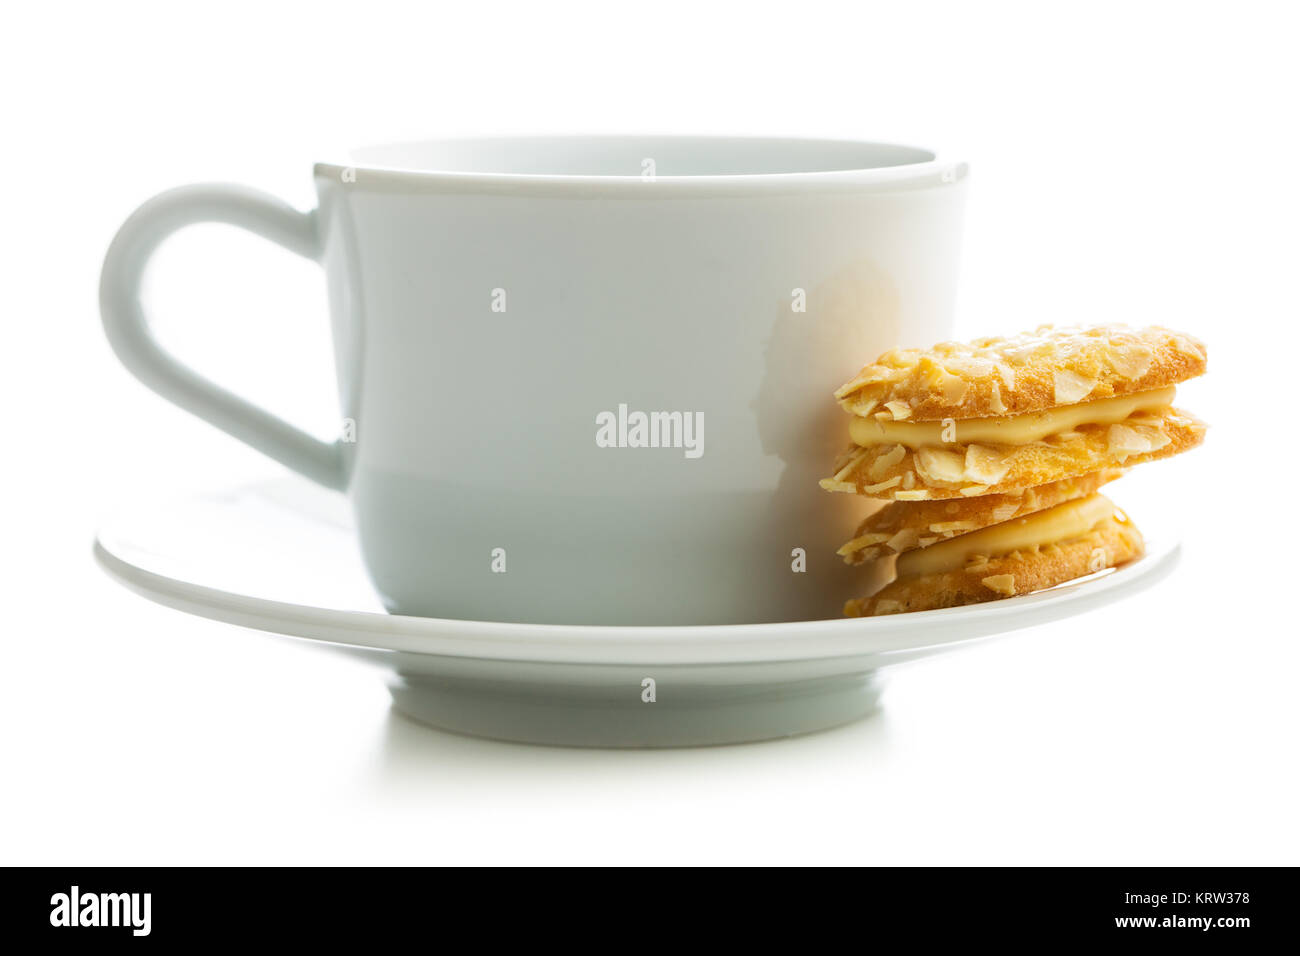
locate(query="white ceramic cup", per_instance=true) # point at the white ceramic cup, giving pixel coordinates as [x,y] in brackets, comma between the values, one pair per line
[504,310]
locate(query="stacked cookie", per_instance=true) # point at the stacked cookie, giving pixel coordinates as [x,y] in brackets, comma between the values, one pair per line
[991,453]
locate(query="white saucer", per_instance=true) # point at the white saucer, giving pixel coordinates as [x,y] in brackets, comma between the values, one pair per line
[280,557]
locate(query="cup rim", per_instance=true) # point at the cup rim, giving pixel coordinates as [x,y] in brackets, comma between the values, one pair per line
[935,170]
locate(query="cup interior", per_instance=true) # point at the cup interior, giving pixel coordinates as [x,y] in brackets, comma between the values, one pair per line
[626,156]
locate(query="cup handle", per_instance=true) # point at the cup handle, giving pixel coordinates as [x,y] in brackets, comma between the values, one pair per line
[128,330]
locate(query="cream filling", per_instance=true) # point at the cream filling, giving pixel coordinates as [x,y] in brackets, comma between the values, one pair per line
[1058,523]
[1012,430]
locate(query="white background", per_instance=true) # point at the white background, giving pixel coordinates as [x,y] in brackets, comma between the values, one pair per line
[1131,162]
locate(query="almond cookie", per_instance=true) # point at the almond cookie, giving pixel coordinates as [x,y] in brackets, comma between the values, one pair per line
[1031,372]
[964,469]
[1040,550]
[905,525]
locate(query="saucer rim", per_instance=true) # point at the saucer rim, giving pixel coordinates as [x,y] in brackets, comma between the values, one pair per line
[894,636]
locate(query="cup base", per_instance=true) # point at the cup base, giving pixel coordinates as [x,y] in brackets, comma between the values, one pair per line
[590,715]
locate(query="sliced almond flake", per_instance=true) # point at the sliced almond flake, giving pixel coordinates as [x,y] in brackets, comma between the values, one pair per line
[909,480]
[1131,360]
[1144,418]
[899,410]
[1126,440]
[954,388]
[920,494]
[1071,387]
[904,540]
[830,484]
[985,465]
[1123,441]
[871,489]
[885,462]
[974,491]
[860,542]
[863,556]
[865,377]
[972,367]
[1007,374]
[940,465]
[1004,584]
[852,463]
[995,400]
[939,527]
[926,541]
[1155,436]
[930,371]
